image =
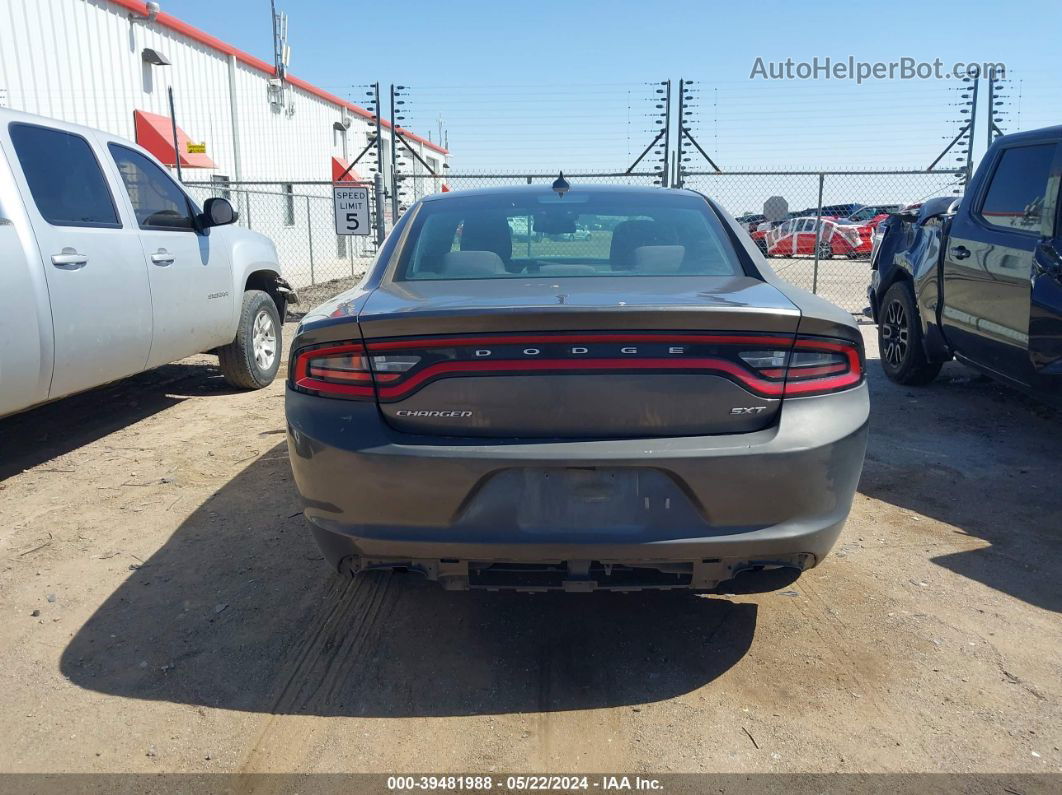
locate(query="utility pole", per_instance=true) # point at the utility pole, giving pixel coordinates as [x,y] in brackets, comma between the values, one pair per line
[276,53]
[378,181]
[994,98]
[681,132]
[991,101]
[667,134]
[394,159]
[966,130]
[973,126]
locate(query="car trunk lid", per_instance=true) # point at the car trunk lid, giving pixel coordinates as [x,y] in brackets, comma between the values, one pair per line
[579,358]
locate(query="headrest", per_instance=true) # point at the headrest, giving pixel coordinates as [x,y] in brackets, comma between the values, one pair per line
[488,233]
[472,263]
[629,235]
[658,259]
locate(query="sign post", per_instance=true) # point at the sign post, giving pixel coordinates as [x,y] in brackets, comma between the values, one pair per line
[352,210]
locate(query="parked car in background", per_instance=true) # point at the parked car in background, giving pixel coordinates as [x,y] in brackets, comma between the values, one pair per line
[759,234]
[872,214]
[798,237]
[795,237]
[108,268]
[667,413]
[979,278]
[751,222]
[853,240]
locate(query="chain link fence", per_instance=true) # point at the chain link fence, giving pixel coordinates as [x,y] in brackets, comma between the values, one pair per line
[824,247]
[300,220]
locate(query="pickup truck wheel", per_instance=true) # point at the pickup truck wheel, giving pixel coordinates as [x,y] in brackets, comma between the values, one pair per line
[252,359]
[900,339]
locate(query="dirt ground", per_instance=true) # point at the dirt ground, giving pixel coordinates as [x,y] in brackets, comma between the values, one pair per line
[165,609]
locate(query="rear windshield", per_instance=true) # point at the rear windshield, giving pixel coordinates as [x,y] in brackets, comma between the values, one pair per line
[581,234]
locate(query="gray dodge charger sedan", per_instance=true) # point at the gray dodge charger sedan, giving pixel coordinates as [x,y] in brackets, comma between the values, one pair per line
[649,408]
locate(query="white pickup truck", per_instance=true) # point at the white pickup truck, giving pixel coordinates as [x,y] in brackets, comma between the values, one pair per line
[108,268]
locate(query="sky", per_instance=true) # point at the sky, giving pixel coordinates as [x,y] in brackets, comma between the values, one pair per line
[545,85]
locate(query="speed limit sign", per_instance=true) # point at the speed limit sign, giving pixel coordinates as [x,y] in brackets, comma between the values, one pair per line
[352,210]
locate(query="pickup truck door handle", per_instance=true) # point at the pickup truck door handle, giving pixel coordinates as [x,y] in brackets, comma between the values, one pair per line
[162,257]
[960,252]
[68,259]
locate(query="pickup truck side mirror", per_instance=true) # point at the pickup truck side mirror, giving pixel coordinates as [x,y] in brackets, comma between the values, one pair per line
[217,212]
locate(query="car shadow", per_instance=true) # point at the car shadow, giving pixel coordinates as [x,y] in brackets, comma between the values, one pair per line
[52,430]
[238,610]
[982,458]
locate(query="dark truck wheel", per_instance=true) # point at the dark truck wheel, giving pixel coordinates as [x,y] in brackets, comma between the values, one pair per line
[252,359]
[900,339]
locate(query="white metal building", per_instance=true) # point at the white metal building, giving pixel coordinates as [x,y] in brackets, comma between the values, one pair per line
[110,64]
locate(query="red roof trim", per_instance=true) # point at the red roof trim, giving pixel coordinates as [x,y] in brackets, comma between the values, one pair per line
[182,27]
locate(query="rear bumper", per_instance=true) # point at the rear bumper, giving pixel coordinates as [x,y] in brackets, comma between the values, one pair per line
[700,508]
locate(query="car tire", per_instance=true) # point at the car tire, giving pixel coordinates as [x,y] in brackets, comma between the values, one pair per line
[252,359]
[825,250]
[903,357]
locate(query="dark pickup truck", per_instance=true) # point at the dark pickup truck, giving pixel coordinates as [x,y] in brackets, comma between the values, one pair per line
[979,278]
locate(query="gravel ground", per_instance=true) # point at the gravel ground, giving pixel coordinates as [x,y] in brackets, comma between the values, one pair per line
[165,609]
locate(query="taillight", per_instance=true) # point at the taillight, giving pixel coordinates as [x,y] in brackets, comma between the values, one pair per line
[340,369]
[811,367]
[772,366]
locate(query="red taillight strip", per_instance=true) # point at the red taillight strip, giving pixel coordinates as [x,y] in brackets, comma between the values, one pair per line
[416,343]
[806,372]
[852,375]
[314,385]
[302,379]
[708,365]
[342,375]
[349,375]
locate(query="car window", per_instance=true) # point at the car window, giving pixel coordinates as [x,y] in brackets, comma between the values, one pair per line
[1015,197]
[592,234]
[64,177]
[158,202]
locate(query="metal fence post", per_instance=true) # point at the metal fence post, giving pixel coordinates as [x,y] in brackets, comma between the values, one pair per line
[309,232]
[378,191]
[818,237]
